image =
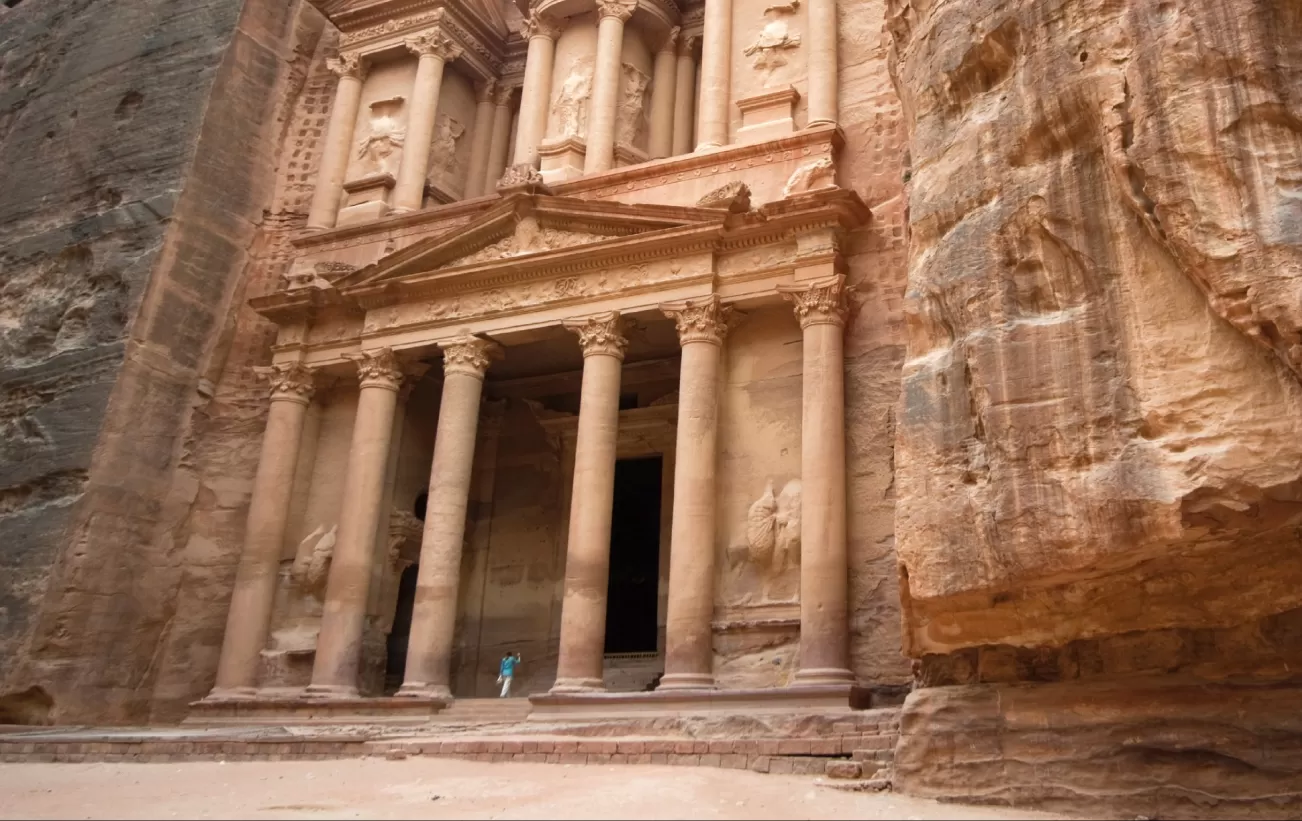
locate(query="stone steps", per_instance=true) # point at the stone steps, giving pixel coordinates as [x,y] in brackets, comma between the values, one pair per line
[485,710]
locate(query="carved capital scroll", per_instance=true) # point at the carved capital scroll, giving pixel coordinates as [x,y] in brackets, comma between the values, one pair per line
[378,369]
[701,320]
[485,91]
[469,355]
[290,381]
[600,335]
[687,45]
[347,64]
[670,44]
[503,93]
[540,25]
[623,9]
[818,303]
[434,43]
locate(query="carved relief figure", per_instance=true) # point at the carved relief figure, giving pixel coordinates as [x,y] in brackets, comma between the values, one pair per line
[819,174]
[772,544]
[312,560]
[443,151]
[569,116]
[631,105]
[380,149]
[768,52]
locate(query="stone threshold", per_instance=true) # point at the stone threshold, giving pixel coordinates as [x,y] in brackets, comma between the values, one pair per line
[822,699]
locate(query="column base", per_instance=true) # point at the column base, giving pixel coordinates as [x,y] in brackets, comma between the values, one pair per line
[330,691]
[231,694]
[817,676]
[686,681]
[422,690]
[578,685]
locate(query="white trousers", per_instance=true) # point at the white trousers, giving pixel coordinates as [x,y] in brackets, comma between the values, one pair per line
[506,686]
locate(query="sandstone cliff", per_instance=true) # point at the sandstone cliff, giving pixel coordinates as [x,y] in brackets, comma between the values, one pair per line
[1099,446]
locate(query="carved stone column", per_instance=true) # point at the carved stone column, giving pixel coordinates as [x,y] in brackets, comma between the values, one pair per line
[824,576]
[606,73]
[536,93]
[587,556]
[434,612]
[662,97]
[689,656]
[716,75]
[481,139]
[339,645]
[249,617]
[338,140]
[435,50]
[500,145]
[685,96]
[822,98]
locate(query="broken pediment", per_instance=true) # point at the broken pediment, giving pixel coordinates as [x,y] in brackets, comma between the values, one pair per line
[526,226]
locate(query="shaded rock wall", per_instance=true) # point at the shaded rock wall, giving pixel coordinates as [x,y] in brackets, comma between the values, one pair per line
[1099,446]
[145,131]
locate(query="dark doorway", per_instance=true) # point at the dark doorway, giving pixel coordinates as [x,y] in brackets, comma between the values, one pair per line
[634,557]
[395,663]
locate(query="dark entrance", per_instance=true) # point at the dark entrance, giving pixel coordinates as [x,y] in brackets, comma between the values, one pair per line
[634,557]
[395,662]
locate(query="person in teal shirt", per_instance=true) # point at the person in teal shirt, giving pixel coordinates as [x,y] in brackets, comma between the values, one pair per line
[506,671]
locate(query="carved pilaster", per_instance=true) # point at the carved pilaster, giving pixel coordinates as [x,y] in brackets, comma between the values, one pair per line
[290,381]
[434,43]
[601,334]
[469,355]
[623,9]
[347,64]
[818,303]
[701,320]
[378,369]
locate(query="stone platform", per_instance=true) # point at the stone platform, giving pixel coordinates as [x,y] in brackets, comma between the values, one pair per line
[812,699]
[301,710]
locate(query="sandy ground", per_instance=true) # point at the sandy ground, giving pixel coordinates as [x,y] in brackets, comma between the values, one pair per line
[441,788]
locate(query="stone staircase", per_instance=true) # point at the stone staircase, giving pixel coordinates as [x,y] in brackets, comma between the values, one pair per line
[484,711]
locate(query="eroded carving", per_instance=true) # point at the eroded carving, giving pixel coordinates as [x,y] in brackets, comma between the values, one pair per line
[288,380]
[772,546]
[768,52]
[812,176]
[522,175]
[632,104]
[735,197]
[821,302]
[380,150]
[312,560]
[347,64]
[569,114]
[443,150]
[600,335]
[528,238]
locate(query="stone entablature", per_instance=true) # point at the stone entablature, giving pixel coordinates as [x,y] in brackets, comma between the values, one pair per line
[625,258]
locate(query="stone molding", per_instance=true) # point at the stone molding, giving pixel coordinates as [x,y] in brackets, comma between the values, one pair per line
[600,335]
[378,369]
[623,9]
[462,27]
[434,43]
[469,355]
[289,381]
[818,303]
[701,320]
[347,64]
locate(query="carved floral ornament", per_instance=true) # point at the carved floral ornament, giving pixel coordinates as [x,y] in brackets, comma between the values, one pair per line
[347,64]
[469,355]
[434,43]
[378,368]
[600,335]
[623,9]
[701,320]
[818,303]
[292,381]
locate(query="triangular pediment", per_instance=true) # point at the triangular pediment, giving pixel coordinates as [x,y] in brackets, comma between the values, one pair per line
[527,226]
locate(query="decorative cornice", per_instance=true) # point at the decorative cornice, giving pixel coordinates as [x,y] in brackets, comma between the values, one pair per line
[600,335]
[818,303]
[289,381]
[393,25]
[378,369]
[469,355]
[700,320]
[347,64]
[622,9]
[434,43]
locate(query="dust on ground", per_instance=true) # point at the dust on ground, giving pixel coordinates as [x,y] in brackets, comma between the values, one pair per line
[442,788]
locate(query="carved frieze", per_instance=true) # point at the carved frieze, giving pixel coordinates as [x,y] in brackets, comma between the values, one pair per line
[527,239]
[392,26]
[522,175]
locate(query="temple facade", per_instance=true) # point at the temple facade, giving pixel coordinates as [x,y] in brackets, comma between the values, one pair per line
[559,364]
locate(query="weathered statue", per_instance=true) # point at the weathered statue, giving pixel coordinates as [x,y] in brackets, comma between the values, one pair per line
[570,106]
[773,529]
[631,105]
[312,565]
[443,151]
[767,52]
[379,149]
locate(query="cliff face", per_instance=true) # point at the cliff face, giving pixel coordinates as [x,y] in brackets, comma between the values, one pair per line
[1099,446]
[138,138]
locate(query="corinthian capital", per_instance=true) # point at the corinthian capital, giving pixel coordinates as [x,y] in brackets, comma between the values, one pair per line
[484,91]
[818,303]
[540,25]
[347,64]
[601,334]
[290,381]
[433,43]
[687,45]
[469,355]
[378,369]
[623,9]
[502,95]
[671,41]
[701,320]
